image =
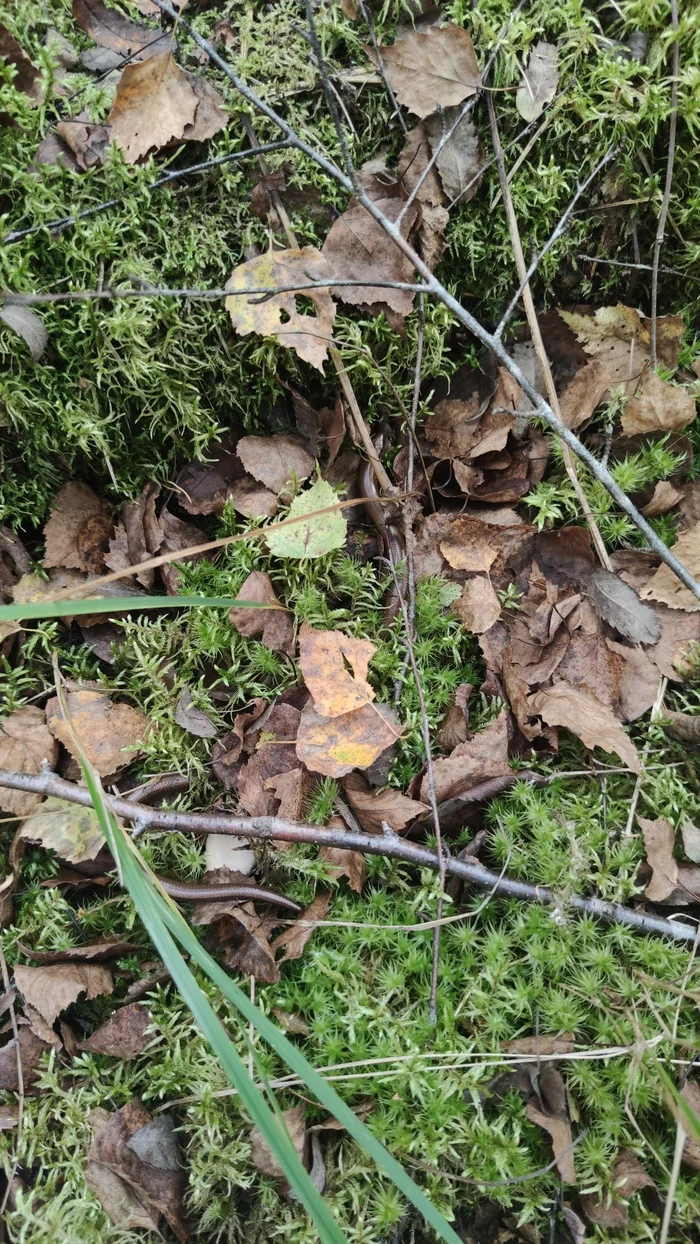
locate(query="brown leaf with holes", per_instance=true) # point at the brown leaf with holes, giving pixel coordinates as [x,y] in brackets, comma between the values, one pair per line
[483,756]
[432,69]
[659,841]
[294,1125]
[349,864]
[25,743]
[79,529]
[31,1049]
[124,1035]
[110,29]
[294,938]
[53,987]
[665,587]
[654,405]
[278,316]
[335,668]
[358,249]
[275,461]
[137,536]
[27,77]
[579,711]
[109,731]
[135,1168]
[335,745]
[478,608]
[154,104]
[372,807]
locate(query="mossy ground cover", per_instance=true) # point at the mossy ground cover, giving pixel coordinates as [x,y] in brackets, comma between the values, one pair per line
[128,392]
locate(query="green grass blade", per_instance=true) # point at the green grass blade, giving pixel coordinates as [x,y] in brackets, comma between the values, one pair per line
[118,604]
[690,1120]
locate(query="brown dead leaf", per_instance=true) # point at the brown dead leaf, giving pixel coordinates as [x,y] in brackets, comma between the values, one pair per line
[138,536]
[691,1096]
[210,115]
[154,104]
[691,841]
[93,952]
[335,745]
[227,749]
[627,1176]
[275,461]
[638,682]
[560,1132]
[25,743]
[205,487]
[192,719]
[291,1022]
[583,714]
[349,864]
[176,536]
[51,988]
[322,429]
[483,756]
[619,604]
[659,841]
[460,161]
[437,68]
[135,1168]
[357,249]
[9,1118]
[589,662]
[664,498]
[665,587]
[455,724]
[470,545]
[125,1034]
[109,732]
[78,531]
[539,84]
[415,155]
[295,937]
[88,143]
[335,667]
[277,316]
[31,1049]
[273,755]
[292,789]
[372,807]
[112,30]
[654,405]
[252,500]
[243,936]
[564,1043]
[263,1160]
[27,77]
[478,608]
[679,632]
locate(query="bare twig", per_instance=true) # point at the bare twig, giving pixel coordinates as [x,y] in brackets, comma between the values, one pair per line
[665,204]
[367,19]
[66,221]
[271,828]
[20,1083]
[211,295]
[638,267]
[533,325]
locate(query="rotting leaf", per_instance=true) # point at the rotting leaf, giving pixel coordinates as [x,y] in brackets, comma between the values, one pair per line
[74,833]
[87,952]
[335,745]
[138,536]
[112,30]
[275,461]
[691,1150]
[431,69]
[109,732]
[582,713]
[349,864]
[294,1122]
[53,987]
[317,535]
[192,719]
[78,530]
[543,1044]
[87,142]
[25,743]
[627,1176]
[135,1168]
[31,1049]
[357,248]
[619,604]
[335,668]
[560,1132]
[276,315]
[460,161]
[27,78]
[478,608]
[691,841]
[664,497]
[176,536]
[654,405]
[243,936]
[540,80]
[275,625]
[125,1034]
[470,545]
[28,325]
[665,587]
[483,756]
[373,807]
[659,841]
[294,939]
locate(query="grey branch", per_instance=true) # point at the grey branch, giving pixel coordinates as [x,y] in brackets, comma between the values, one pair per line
[206,295]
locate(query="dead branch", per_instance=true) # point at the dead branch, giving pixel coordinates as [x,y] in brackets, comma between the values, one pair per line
[666,201]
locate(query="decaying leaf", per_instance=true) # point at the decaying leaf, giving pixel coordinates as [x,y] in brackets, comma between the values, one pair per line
[109,732]
[31,1049]
[665,587]
[478,608]
[87,142]
[582,713]
[691,1150]
[27,77]
[483,756]
[542,1044]
[112,30]
[315,536]
[87,952]
[25,743]
[664,498]
[470,545]
[155,101]
[335,745]
[654,405]
[374,807]
[138,536]
[431,69]
[275,461]
[294,1122]
[627,1176]
[295,937]
[74,833]
[691,841]
[460,161]
[619,604]
[335,668]
[135,1168]
[560,1132]
[125,1034]
[539,84]
[455,724]
[357,248]
[349,864]
[53,987]
[28,325]
[275,625]
[79,529]
[243,936]
[193,719]
[277,316]
[659,841]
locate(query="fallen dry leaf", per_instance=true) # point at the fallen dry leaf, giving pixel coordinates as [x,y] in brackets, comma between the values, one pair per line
[664,498]
[415,155]
[53,987]
[28,325]
[659,841]
[138,536]
[78,531]
[192,719]
[275,626]
[460,161]
[205,487]
[582,713]
[322,429]
[454,728]
[470,545]
[483,756]
[654,405]
[478,608]
[210,116]
[665,587]
[639,681]
[291,1022]
[109,732]
[564,1043]
[619,604]
[74,833]
[88,142]
[177,536]
[25,743]
[437,68]
[27,78]
[691,1150]
[540,80]
[627,1176]
[31,1049]
[90,952]
[335,745]
[154,104]
[124,1035]
[349,864]
[294,939]
[112,30]
[683,726]
[227,749]
[261,1156]
[335,668]
[292,789]
[357,249]
[691,841]
[560,1132]
[243,936]
[135,1168]
[277,316]
[372,807]
[275,461]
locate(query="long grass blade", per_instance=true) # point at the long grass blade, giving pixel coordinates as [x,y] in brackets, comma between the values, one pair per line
[119,604]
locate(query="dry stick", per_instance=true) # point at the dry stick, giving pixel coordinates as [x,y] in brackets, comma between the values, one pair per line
[438,290]
[666,201]
[367,18]
[533,325]
[66,221]
[638,267]
[20,1083]
[264,292]
[391,846]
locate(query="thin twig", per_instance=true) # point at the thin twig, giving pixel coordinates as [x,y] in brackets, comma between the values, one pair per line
[270,828]
[20,1083]
[213,294]
[666,201]
[501,1183]
[367,19]
[638,267]
[534,326]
